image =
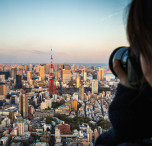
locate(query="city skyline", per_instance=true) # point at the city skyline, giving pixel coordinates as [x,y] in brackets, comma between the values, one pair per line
[78,31]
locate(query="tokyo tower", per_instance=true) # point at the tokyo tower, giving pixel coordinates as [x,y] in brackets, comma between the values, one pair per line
[52,89]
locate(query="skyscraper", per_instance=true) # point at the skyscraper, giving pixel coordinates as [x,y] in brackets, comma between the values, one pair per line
[100,74]
[20,124]
[23,105]
[3,90]
[29,76]
[37,68]
[60,66]
[66,75]
[18,82]
[57,75]
[74,105]
[1,67]
[7,74]
[47,69]
[96,134]
[55,67]
[90,135]
[78,82]
[66,67]
[95,76]
[25,67]
[2,78]
[84,76]
[42,73]
[81,93]
[94,86]
[13,72]
[30,67]
[20,72]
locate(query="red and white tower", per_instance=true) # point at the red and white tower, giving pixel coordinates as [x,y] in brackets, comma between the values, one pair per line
[52,89]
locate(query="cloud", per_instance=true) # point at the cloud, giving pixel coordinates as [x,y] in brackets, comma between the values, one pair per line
[110,16]
[39,52]
[114,14]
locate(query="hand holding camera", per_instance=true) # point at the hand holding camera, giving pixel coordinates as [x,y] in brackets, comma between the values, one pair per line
[126,66]
[120,73]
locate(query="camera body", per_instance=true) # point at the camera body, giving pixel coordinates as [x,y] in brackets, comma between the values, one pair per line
[130,64]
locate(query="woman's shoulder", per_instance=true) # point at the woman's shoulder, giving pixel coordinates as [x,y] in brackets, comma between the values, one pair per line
[126,97]
[109,138]
[140,142]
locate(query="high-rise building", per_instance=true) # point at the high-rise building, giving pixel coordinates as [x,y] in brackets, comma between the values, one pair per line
[42,73]
[55,67]
[37,68]
[20,124]
[23,105]
[13,72]
[95,76]
[108,78]
[81,93]
[18,82]
[100,74]
[74,105]
[78,82]
[20,72]
[76,67]
[30,67]
[96,134]
[47,69]
[3,90]
[30,109]
[84,76]
[60,66]
[11,116]
[2,78]
[46,104]
[29,76]
[66,67]
[1,67]
[66,75]
[13,99]
[57,75]
[90,135]
[7,74]
[94,86]
[25,67]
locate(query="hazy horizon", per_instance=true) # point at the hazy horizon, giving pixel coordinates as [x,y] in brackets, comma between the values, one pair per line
[57,63]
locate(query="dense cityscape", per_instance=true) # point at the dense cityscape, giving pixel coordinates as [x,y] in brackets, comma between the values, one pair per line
[54,104]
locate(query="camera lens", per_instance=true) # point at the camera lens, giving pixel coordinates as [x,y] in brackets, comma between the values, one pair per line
[121,54]
[130,63]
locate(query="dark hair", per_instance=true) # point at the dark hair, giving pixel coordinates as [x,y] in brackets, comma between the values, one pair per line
[139,28]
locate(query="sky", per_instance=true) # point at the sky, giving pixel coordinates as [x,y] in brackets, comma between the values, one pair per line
[78,31]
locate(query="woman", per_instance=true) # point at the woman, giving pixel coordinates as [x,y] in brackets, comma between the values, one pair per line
[131,110]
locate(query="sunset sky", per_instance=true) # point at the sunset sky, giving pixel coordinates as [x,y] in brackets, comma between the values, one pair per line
[78,31]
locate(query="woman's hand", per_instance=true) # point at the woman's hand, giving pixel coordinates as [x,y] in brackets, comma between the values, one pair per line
[120,73]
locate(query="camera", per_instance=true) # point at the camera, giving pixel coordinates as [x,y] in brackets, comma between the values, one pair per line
[129,62]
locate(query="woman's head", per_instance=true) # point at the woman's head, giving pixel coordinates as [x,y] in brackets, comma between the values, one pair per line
[139,31]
